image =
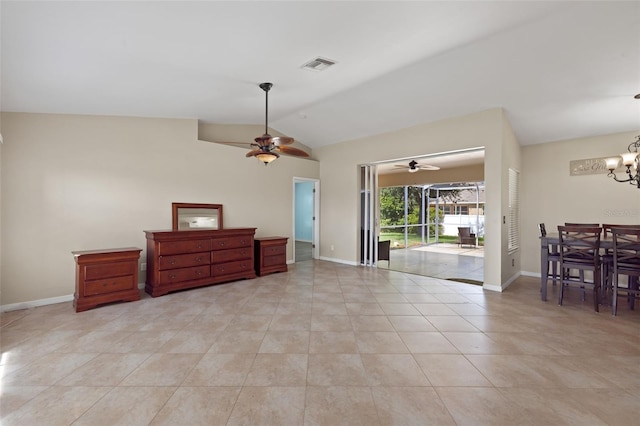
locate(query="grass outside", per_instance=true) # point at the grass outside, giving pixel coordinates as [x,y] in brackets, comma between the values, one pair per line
[397,239]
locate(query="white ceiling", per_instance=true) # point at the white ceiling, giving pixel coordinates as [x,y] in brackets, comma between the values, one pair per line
[559,69]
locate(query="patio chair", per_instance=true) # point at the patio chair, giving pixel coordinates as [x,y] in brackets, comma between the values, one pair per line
[465,236]
[384,250]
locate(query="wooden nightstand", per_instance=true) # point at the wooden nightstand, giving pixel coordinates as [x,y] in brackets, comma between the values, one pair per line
[105,276]
[270,255]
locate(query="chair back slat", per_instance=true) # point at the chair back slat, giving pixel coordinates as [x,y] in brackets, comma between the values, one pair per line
[606,228]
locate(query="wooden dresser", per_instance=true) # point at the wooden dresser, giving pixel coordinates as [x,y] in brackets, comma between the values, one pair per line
[271,255]
[177,260]
[105,276]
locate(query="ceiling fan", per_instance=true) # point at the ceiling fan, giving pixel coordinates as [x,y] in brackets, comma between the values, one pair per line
[267,147]
[414,166]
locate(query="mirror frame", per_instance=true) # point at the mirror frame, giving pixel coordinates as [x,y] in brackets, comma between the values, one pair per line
[175,207]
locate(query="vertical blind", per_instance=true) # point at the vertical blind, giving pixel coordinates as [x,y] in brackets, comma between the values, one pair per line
[369,217]
[514,210]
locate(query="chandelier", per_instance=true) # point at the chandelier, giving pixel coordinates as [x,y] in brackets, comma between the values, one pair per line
[630,160]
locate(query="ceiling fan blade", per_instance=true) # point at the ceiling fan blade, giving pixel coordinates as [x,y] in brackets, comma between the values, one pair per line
[428,167]
[281,140]
[289,150]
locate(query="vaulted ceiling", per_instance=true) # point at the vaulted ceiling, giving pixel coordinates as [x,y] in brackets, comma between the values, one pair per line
[559,69]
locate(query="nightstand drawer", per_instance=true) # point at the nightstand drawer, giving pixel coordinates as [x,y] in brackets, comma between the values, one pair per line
[275,260]
[109,270]
[275,250]
[110,285]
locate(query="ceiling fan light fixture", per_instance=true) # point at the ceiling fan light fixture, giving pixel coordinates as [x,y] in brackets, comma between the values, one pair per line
[267,157]
[413,170]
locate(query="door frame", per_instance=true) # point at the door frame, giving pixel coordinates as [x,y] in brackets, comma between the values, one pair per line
[315,253]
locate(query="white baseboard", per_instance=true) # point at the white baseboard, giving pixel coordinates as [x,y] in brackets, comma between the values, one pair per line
[531,274]
[344,262]
[36,303]
[43,302]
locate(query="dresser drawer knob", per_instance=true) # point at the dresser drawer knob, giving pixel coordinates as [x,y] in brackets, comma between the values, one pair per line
[198,259]
[172,276]
[199,246]
[172,262]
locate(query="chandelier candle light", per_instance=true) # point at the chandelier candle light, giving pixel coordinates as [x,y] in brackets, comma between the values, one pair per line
[630,161]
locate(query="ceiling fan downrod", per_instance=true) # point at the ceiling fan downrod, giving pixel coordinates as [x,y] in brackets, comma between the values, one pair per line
[266,87]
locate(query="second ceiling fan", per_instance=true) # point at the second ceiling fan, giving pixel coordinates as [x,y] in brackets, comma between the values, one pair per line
[414,166]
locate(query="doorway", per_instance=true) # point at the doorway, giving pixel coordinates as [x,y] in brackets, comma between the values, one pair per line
[305,219]
[420,222]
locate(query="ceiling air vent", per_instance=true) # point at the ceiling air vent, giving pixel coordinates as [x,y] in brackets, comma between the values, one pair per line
[318,64]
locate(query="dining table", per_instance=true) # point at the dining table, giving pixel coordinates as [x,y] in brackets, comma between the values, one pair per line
[552,240]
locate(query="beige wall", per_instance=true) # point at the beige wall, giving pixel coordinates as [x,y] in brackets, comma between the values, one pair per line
[73,182]
[339,175]
[552,196]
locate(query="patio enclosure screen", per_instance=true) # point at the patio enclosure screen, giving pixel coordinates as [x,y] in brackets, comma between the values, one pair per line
[419,215]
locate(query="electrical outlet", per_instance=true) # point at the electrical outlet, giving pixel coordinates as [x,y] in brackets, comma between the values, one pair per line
[513,262]
[143,266]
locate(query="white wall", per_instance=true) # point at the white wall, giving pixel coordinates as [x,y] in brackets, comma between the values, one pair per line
[552,196]
[72,182]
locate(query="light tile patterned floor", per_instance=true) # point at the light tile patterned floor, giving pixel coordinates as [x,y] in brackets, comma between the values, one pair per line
[325,344]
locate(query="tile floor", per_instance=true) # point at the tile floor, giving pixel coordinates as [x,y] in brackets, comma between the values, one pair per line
[325,344]
[442,260]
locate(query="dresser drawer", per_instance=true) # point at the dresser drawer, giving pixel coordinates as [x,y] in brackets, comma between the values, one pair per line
[231,267]
[184,274]
[107,270]
[184,260]
[222,256]
[92,288]
[231,242]
[188,246]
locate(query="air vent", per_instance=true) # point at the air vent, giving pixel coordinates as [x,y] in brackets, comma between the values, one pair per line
[318,64]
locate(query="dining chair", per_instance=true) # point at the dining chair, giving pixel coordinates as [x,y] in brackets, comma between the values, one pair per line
[626,261]
[553,256]
[588,225]
[607,258]
[579,249]
[465,236]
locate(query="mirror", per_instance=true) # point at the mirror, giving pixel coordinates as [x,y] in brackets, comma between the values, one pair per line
[196,216]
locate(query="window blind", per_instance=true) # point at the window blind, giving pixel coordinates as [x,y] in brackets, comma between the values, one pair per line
[514,210]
